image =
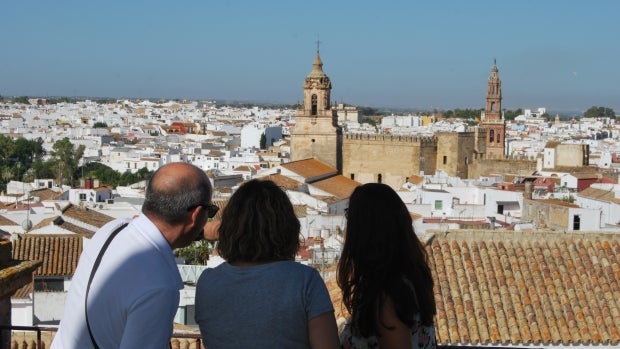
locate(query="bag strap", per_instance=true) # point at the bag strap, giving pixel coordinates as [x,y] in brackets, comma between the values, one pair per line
[92,274]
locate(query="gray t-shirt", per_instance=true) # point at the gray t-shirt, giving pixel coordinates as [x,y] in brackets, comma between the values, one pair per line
[263,306]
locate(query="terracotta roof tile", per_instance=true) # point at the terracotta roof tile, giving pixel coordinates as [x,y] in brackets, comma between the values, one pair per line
[310,168]
[59,253]
[5,221]
[45,194]
[339,186]
[283,181]
[518,289]
[86,215]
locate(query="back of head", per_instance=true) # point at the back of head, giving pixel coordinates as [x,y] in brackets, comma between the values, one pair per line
[379,231]
[381,257]
[258,225]
[173,189]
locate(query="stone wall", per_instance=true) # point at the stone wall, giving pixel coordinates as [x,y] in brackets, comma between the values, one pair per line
[501,165]
[386,158]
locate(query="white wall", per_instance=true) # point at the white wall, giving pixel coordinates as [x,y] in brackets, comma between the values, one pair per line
[22,311]
[48,307]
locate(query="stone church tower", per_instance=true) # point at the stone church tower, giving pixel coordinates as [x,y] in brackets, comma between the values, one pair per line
[316,133]
[493,119]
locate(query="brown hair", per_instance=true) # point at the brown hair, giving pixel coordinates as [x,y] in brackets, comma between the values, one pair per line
[258,225]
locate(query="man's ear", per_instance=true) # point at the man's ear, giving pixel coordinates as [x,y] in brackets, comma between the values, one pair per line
[194,216]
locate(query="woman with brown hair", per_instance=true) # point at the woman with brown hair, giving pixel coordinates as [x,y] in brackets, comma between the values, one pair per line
[260,297]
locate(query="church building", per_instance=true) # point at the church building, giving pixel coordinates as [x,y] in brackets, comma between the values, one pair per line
[393,159]
[316,133]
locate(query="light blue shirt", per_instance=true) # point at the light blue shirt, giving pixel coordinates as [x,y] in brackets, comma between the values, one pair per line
[134,295]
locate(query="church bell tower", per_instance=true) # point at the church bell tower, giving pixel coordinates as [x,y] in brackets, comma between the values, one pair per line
[316,133]
[493,119]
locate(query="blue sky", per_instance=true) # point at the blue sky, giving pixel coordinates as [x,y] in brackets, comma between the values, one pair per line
[559,54]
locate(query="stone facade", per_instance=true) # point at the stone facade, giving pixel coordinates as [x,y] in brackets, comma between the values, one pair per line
[316,133]
[457,150]
[393,159]
[387,159]
[493,120]
[487,165]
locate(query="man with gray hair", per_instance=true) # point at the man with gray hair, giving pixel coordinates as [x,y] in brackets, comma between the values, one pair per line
[125,291]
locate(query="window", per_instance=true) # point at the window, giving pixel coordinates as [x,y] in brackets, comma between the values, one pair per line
[82,197]
[314,105]
[438,204]
[576,222]
[445,159]
[352,176]
[379,178]
[49,285]
[491,135]
[500,209]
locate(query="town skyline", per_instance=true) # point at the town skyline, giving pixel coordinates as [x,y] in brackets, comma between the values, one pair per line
[397,55]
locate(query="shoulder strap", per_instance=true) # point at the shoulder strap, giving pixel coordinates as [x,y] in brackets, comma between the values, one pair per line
[92,274]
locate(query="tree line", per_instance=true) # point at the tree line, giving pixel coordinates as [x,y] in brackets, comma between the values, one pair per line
[26,160]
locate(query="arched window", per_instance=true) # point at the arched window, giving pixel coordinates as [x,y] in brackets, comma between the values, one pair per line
[314,105]
[491,135]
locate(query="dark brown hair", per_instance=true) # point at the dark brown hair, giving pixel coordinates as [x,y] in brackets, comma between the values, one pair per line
[258,225]
[382,257]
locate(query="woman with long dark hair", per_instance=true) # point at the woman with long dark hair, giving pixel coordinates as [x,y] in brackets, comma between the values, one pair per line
[384,276]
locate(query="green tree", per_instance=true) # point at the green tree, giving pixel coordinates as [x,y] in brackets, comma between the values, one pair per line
[7,146]
[197,253]
[100,124]
[66,158]
[21,99]
[25,151]
[263,141]
[512,114]
[599,112]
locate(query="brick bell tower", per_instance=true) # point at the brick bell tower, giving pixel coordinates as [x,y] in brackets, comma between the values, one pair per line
[316,133]
[492,119]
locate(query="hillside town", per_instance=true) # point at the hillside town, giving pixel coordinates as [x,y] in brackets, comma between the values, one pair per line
[539,175]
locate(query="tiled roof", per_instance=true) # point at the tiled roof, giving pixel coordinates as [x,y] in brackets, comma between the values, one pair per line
[59,253]
[598,194]
[23,292]
[283,181]
[523,289]
[77,229]
[86,215]
[5,221]
[339,186]
[45,194]
[309,168]
[591,175]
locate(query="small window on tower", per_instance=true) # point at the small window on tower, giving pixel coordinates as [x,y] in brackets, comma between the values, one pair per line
[314,105]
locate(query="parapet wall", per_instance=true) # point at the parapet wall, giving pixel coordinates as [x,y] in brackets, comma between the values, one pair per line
[391,138]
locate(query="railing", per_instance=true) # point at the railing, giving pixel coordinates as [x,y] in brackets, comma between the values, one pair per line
[42,338]
[178,341]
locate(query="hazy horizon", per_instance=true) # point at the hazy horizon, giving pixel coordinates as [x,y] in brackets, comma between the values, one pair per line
[400,54]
